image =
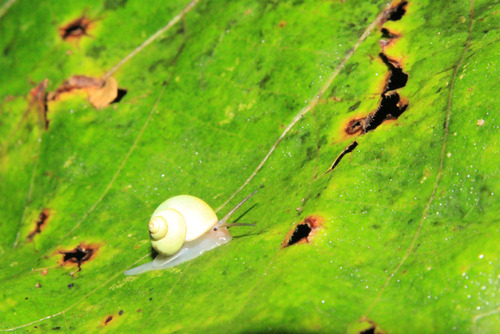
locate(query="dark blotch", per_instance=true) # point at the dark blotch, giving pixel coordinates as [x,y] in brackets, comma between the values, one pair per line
[396,13]
[75,29]
[355,125]
[79,254]
[264,80]
[397,78]
[121,94]
[301,231]
[347,150]
[370,330]
[391,107]
[386,33]
[40,224]
[8,48]
[354,106]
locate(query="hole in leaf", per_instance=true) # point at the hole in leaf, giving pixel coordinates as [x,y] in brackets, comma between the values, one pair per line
[396,12]
[303,232]
[76,29]
[121,94]
[348,149]
[365,326]
[391,107]
[80,254]
[370,330]
[40,224]
[386,33]
[397,78]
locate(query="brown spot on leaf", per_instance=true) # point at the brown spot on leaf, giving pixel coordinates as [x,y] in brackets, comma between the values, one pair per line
[389,38]
[303,232]
[80,254]
[100,93]
[78,82]
[108,319]
[40,224]
[282,24]
[38,101]
[103,96]
[76,29]
[350,126]
[355,125]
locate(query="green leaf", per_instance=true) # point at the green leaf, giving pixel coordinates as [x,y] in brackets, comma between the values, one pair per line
[221,98]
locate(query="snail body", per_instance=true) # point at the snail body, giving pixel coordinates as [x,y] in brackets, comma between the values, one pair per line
[181,229]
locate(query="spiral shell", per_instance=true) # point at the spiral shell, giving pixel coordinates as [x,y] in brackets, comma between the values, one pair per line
[177,220]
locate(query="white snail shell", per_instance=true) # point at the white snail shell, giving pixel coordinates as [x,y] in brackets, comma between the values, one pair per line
[179,219]
[182,228]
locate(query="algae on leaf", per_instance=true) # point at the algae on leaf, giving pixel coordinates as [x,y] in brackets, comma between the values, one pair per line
[373,127]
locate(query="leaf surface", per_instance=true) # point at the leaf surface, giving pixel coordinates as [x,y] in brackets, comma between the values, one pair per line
[221,98]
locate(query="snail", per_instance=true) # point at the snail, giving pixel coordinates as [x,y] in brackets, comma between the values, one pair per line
[182,228]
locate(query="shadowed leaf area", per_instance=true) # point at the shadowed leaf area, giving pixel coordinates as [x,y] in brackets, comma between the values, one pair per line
[372,126]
